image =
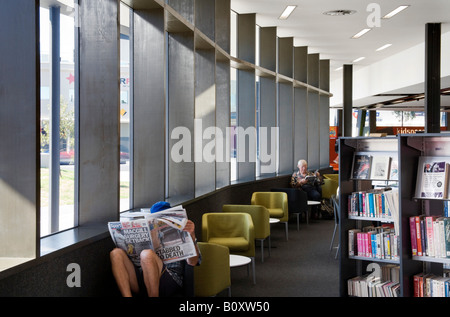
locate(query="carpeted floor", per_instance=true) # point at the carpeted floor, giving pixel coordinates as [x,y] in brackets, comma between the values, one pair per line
[303,266]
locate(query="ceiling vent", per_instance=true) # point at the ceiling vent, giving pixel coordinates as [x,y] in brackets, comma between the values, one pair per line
[339,12]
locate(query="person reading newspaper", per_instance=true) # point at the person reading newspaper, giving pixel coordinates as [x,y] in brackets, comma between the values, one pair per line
[308,181]
[151,276]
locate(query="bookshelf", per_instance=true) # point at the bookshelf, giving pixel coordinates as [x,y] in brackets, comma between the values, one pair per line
[407,150]
[413,148]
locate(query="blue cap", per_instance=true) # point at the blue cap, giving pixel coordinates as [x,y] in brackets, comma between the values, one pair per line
[160,205]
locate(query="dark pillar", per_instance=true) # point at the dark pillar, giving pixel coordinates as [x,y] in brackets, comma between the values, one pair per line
[432,77]
[372,121]
[348,101]
[361,122]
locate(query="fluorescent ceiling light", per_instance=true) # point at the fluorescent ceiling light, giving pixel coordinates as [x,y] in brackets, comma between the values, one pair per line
[360,33]
[396,11]
[383,47]
[358,59]
[287,12]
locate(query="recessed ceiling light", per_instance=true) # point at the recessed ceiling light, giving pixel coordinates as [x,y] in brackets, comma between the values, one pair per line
[396,11]
[383,47]
[358,59]
[287,12]
[360,33]
[339,12]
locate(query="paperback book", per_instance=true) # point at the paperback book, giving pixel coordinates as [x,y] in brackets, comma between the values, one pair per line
[361,166]
[374,242]
[386,284]
[430,236]
[431,285]
[380,167]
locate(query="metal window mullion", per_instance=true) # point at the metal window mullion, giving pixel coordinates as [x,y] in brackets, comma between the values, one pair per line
[55,119]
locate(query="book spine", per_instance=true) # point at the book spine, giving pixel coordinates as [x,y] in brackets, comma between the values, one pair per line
[418,236]
[371,211]
[360,203]
[430,236]
[412,229]
[423,236]
[364,199]
[447,236]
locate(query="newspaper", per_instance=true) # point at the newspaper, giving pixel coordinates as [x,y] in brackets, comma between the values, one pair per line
[161,231]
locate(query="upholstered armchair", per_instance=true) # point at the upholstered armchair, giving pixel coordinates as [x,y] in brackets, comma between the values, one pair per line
[330,185]
[276,203]
[260,217]
[213,275]
[233,230]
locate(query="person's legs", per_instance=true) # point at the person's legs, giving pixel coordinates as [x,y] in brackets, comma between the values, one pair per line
[313,194]
[151,267]
[124,272]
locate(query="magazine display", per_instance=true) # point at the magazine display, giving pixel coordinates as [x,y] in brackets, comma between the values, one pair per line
[432,178]
[162,232]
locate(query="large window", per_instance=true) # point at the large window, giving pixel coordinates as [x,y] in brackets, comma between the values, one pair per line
[125,108]
[233,123]
[58,56]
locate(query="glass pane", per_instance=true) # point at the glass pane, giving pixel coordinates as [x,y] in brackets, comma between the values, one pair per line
[125,107]
[233,123]
[58,140]
[233,33]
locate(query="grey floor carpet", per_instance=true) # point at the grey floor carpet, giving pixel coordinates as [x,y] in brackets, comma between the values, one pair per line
[303,266]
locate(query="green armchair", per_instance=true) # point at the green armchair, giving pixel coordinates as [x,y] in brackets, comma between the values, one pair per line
[213,275]
[330,186]
[260,217]
[276,203]
[233,230]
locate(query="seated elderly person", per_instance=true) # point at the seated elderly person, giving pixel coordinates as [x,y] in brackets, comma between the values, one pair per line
[310,182]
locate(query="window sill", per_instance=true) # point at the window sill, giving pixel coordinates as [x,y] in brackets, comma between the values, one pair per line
[71,237]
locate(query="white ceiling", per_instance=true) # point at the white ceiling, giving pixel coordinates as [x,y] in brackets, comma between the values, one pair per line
[330,36]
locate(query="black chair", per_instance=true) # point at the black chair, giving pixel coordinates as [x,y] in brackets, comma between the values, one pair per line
[297,201]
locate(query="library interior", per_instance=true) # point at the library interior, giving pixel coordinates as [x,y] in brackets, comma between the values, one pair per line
[294,148]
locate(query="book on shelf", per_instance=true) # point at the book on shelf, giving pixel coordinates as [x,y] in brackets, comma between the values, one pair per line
[352,242]
[361,166]
[446,208]
[387,284]
[379,168]
[375,203]
[430,236]
[393,171]
[432,177]
[431,285]
[374,242]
